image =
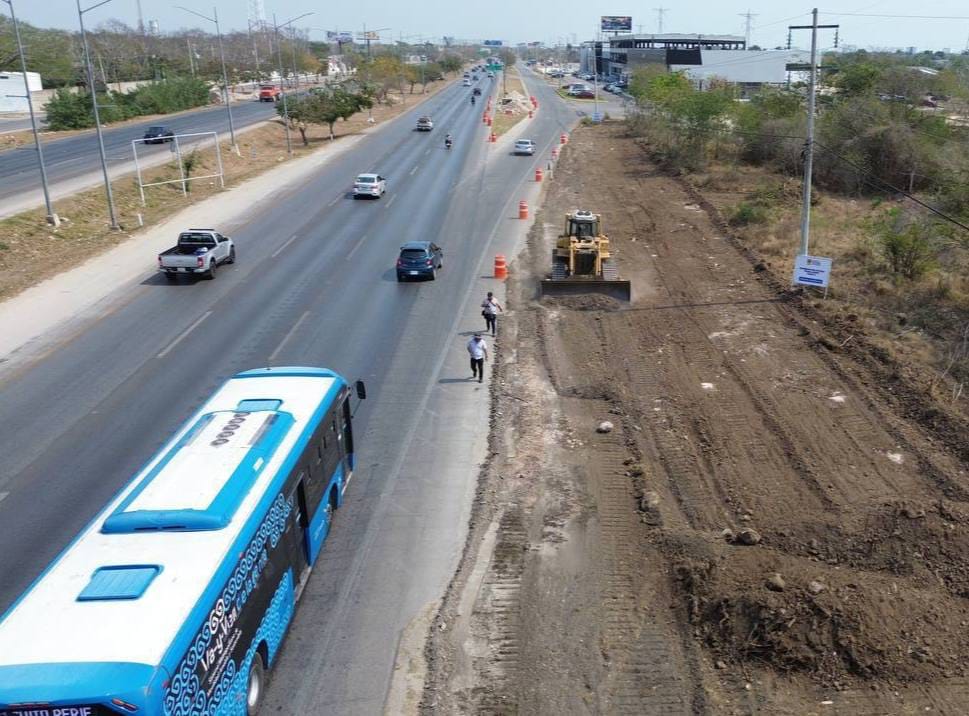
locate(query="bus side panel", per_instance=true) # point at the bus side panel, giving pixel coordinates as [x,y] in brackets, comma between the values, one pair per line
[320,524]
[255,605]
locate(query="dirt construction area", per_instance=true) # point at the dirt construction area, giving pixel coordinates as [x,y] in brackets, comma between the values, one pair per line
[776,522]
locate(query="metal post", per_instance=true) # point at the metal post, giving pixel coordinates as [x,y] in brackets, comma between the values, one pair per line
[218,156]
[181,167]
[295,67]
[225,74]
[809,144]
[282,90]
[51,216]
[141,188]
[225,79]
[97,117]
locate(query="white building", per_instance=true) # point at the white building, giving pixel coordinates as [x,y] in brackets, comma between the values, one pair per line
[12,97]
[749,70]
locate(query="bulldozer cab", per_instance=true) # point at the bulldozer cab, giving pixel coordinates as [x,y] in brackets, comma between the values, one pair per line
[582,225]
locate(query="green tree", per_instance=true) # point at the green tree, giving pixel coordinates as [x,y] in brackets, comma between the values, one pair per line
[327,107]
[859,78]
[450,63]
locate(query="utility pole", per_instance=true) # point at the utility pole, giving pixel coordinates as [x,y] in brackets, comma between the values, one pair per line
[282,89]
[660,11]
[52,218]
[97,117]
[191,55]
[749,17]
[809,143]
[225,74]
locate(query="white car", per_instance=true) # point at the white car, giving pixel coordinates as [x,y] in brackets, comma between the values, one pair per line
[371,185]
[467,82]
[525,146]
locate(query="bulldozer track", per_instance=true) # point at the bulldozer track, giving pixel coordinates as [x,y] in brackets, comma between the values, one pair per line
[645,675]
[500,604]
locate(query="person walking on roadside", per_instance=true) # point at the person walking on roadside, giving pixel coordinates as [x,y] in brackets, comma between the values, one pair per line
[478,350]
[489,309]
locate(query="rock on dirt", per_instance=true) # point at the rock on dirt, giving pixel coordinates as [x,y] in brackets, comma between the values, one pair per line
[775,582]
[748,537]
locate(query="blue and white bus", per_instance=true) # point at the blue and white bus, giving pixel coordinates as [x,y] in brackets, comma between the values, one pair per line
[175,600]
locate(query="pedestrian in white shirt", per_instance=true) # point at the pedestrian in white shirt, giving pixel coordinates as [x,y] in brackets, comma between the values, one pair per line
[489,309]
[478,350]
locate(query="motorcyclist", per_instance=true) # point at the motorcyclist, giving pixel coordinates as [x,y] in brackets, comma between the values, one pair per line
[447,142]
[472,100]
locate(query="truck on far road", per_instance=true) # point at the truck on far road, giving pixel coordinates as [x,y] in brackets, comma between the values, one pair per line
[269,93]
[198,251]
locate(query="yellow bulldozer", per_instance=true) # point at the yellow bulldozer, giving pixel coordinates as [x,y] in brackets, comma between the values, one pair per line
[582,262]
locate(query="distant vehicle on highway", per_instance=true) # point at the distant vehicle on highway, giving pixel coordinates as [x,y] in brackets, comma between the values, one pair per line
[179,593]
[466,82]
[199,252]
[425,124]
[159,135]
[419,259]
[369,185]
[524,146]
[477,92]
[269,93]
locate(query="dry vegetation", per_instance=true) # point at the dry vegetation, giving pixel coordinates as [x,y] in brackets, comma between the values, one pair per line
[514,103]
[31,251]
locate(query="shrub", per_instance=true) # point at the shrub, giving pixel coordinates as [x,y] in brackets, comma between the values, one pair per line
[906,246]
[746,213]
[72,110]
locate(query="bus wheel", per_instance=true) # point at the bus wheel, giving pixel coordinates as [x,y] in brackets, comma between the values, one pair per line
[256,685]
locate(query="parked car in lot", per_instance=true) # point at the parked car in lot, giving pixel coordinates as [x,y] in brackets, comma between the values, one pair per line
[269,93]
[370,185]
[198,251]
[159,135]
[419,259]
[524,146]
[584,94]
[425,124]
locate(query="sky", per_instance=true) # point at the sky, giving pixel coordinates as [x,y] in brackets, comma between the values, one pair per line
[554,21]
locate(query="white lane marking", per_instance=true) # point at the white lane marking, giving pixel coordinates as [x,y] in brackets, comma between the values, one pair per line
[278,251]
[272,356]
[354,249]
[3,495]
[391,201]
[184,334]
[414,170]
[334,201]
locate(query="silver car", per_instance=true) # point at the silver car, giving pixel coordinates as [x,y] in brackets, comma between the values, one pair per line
[525,146]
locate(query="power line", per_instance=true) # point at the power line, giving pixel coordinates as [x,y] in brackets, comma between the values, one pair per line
[911,17]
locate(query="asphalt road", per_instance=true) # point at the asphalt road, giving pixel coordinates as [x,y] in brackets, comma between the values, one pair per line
[71,158]
[314,284]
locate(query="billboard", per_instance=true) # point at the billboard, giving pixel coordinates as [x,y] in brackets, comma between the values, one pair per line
[338,36]
[617,23]
[492,43]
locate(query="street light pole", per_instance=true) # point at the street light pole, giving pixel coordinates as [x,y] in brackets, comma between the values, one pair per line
[51,216]
[282,89]
[295,67]
[225,74]
[97,117]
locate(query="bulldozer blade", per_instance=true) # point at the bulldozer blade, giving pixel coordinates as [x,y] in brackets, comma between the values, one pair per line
[618,289]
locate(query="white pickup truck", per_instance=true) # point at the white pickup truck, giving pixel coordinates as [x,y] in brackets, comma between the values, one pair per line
[198,251]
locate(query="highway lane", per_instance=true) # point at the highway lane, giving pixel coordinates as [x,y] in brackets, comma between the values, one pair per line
[77,156]
[80,421]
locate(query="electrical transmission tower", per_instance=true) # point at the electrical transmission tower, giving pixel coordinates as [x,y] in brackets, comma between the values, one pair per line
[660,11]
[257,13]
[749,16]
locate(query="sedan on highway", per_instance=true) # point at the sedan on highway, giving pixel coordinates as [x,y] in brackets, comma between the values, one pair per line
[370,185]
[159,135]
[425,124]
[419,259]
[524,146]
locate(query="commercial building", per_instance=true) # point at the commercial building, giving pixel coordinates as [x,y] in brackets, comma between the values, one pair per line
[703,58]
[12,97]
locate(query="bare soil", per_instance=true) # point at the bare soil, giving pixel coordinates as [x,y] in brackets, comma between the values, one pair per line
[776,523]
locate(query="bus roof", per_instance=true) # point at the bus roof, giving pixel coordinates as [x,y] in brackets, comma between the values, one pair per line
[127,584]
